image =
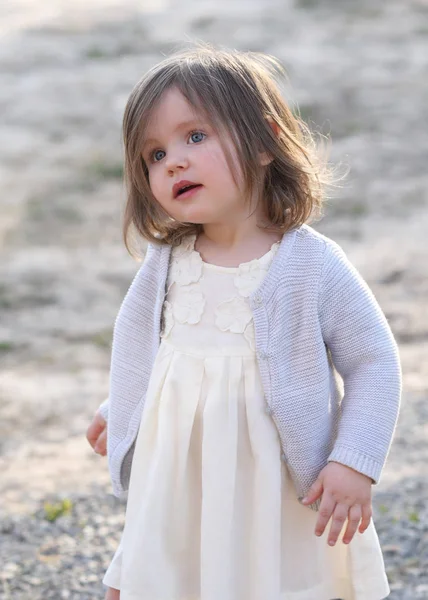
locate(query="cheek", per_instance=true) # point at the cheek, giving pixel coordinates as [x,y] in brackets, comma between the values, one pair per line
[216,164]
[155,184]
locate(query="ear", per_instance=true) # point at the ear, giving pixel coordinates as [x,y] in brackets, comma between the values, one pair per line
[265,159]
[274,126]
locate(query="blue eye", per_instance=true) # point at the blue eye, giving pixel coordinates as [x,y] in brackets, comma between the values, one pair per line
[197,136]
[156,156]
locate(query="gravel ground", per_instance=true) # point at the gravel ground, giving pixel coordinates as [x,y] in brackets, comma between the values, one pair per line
[67,557]
[358,71]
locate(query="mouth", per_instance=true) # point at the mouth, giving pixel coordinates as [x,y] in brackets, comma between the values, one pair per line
[184,189]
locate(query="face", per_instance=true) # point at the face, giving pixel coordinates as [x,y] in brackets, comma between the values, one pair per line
[182,150]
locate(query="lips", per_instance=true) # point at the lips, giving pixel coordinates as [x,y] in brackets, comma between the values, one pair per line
[182,186]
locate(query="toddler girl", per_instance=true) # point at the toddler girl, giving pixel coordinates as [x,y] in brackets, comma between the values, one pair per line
[255,382]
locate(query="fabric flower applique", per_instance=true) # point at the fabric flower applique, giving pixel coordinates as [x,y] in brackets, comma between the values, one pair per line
[167,319]
[185,269]
[233,315]
[250,275]
[266,260]
[189,304]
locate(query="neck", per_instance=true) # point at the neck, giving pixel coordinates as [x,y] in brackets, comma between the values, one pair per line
[233,233]
[229,235]
[231,244]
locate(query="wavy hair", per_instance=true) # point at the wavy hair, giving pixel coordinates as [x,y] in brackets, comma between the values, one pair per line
[238,93]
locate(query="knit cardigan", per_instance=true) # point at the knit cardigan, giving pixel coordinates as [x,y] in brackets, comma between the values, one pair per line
[328,361]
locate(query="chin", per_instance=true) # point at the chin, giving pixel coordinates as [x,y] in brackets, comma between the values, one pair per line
[197,216]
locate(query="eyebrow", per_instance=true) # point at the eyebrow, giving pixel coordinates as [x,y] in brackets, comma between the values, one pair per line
[183,125]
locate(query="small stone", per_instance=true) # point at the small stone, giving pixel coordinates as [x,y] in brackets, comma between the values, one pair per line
[9,571]
[35,581]
[391,549]
[423,587]
[397,585]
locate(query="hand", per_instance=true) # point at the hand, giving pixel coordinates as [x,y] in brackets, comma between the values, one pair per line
[97,434]
[346,493]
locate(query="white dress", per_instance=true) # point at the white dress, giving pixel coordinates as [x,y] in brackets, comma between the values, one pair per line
[212,513]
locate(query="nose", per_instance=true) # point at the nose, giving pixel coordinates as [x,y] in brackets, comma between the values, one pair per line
[176,162]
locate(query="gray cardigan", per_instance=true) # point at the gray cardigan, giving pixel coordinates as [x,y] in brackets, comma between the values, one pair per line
[328,361]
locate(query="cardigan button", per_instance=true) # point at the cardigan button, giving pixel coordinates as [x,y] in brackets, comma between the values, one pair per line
[284,457]
[268,409]
[258,300]
[263,355]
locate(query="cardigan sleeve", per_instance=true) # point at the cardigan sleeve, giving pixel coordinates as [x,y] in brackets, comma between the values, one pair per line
[366,356]
[104,406]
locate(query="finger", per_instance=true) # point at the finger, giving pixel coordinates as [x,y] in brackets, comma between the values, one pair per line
[325,512]
[93,431]
[353,522]
[95,428]
[366,517]
[101,445]
[314,493]
[339,517]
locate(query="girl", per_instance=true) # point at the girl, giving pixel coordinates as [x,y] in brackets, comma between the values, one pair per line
[255,382]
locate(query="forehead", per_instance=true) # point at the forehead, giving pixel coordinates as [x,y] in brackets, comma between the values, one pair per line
[171,112]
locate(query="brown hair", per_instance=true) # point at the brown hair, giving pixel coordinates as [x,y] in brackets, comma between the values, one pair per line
[238,93]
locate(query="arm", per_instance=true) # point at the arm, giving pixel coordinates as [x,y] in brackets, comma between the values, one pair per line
[366,356]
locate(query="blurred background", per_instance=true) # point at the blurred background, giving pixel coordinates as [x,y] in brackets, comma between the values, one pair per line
[358,72]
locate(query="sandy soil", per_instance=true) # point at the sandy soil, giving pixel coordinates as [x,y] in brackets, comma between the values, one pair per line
[357,70]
